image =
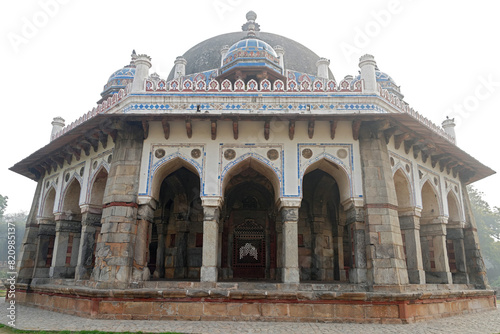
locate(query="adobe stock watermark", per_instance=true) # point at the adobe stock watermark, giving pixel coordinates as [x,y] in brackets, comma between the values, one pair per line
[12,275]
[365,34]
[31,25]
[223,6]
[487,87]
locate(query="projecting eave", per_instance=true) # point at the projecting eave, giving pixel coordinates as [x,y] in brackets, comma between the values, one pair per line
[408,133]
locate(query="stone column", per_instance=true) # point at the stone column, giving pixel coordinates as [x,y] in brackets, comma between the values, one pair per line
[355,222]
[290,217]
[455,233]
[386,261]
[46,232]
[91,223]
[439,271]
[61,267]
[27,255]
[474,259]
[161,228]
[211,218]
[339,272]
[181,240]
[145,216]
[317,267]
[410,226]
[115,249]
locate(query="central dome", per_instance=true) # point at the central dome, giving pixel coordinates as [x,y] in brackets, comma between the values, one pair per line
[251,52]
[206,55]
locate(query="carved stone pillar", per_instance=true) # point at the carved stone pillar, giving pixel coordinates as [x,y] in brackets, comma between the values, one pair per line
[456,248]
[434,253]
[211,218]
[290,217]
[27,256]
[317,263]
[410,228]
[356,232]
[339,271]
[91,225]
[181,241]
[44,248]
[386,260]
[474,259]
[161,228]
[145,216]
[66,245]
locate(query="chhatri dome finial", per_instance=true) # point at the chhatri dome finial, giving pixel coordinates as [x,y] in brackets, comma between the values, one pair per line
[251,25]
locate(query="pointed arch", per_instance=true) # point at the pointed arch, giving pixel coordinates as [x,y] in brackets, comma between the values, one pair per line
[431,207]
[97,187]
[259,164]
[47,208]
[337,170]
[70,198]
[166,167]
[454,212]
[404,189]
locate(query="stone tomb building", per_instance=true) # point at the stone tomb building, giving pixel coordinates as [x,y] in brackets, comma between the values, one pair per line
[252,185]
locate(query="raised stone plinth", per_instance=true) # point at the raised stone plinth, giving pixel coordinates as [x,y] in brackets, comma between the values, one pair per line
[232,301]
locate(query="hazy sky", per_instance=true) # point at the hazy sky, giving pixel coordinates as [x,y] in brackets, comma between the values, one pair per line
[58,54]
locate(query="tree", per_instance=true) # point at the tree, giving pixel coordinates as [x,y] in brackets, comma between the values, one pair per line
[488,230]
[3,205]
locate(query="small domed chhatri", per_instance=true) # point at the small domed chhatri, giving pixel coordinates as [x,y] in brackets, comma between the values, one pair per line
[250,179]
[119,79]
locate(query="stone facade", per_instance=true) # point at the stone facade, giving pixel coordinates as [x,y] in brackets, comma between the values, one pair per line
[245,174]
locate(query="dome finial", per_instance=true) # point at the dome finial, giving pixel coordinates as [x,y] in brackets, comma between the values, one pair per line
[251,25]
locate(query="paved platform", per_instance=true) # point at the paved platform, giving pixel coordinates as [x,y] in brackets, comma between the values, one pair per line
[36,319]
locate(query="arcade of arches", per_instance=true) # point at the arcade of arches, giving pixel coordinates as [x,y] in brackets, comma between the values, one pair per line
[249,239]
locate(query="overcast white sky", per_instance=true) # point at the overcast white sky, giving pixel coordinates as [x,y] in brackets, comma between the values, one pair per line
[58,54]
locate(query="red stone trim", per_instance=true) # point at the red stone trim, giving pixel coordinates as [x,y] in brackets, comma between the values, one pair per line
[381,206]
[127,204]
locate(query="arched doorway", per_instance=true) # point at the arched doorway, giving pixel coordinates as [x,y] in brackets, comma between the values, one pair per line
[322,235]
[175,247]
[409,223]
[68,232]
[91,225]
[249,236]
[46,235]
[433,238]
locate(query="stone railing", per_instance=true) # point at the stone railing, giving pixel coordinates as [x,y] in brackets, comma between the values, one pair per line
[403,107]
[101,108]
[156,85]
